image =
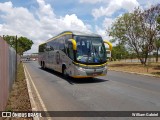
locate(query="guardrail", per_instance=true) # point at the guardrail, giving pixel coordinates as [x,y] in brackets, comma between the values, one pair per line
[8,67]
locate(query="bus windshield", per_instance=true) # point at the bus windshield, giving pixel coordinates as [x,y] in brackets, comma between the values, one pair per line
[90,49]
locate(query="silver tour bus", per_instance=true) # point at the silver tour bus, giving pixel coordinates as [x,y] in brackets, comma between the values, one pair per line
[75,54]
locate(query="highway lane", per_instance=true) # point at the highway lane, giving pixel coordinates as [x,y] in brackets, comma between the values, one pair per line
[115,92]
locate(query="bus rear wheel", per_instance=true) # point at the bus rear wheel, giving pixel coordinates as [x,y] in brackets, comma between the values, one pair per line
[43,65]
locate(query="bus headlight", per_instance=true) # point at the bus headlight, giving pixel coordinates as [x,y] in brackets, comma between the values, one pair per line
[80,68]
[106,67]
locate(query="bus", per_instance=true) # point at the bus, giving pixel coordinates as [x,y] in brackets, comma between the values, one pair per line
[75,54]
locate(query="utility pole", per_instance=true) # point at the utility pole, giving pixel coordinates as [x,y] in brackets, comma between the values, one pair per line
[16,58]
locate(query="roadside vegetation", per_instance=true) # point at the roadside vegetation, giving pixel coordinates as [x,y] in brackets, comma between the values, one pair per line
[20,44]
[152,68]
[19,98]
[136,34]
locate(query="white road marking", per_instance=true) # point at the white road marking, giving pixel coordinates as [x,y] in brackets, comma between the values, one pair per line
[33,104]
[38,95]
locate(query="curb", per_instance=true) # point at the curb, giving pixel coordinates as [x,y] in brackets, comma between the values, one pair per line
[33,103]
[150,75]
[31,98]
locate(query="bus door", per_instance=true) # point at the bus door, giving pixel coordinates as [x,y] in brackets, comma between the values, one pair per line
[70,68]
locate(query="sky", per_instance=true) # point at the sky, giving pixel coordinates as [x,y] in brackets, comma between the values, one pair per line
[40,20]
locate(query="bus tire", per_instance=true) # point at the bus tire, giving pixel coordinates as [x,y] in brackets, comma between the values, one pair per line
[43,65]
[64,72]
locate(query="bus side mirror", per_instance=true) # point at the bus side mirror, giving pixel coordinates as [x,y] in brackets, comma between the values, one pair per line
[74,44]
[109,44]
[110,48]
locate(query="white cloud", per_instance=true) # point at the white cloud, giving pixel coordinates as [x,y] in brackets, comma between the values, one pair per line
[148,4]
[103,33]
[113,6]
[107,22]
[45,9]
[7,6]
[20,21]
[91,1]
[16,19]
[72,22]
[103,30]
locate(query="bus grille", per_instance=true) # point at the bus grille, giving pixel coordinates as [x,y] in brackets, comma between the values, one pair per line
[93,73]
[93,67]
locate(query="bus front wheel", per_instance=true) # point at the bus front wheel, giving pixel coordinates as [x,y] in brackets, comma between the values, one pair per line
[64,72]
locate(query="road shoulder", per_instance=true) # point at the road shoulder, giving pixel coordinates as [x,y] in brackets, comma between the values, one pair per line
[151,75]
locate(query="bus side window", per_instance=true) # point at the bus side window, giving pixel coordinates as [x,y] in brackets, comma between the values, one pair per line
[56,44]
[42,47]
[61,46]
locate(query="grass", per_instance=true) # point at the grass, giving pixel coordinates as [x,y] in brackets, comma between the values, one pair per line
[19,98]
[152,68]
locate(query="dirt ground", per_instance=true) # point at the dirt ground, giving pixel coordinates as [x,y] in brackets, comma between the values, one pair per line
[19,98]
[152,68]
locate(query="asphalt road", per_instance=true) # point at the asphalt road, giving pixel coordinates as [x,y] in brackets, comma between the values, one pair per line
[117,91]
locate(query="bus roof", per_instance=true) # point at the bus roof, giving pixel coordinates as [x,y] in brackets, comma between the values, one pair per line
[82,33]
[74,33]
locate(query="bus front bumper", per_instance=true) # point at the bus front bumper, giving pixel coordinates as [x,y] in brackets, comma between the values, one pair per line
[81,72]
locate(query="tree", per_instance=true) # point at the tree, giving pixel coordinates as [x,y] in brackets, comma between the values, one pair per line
[23,43]
[157,41]
[126,30]
[152,19]
[157,44]
[137,30]
[158,21]
[119,52]
[10,40]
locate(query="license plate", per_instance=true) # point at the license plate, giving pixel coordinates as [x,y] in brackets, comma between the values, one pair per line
[94,74]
